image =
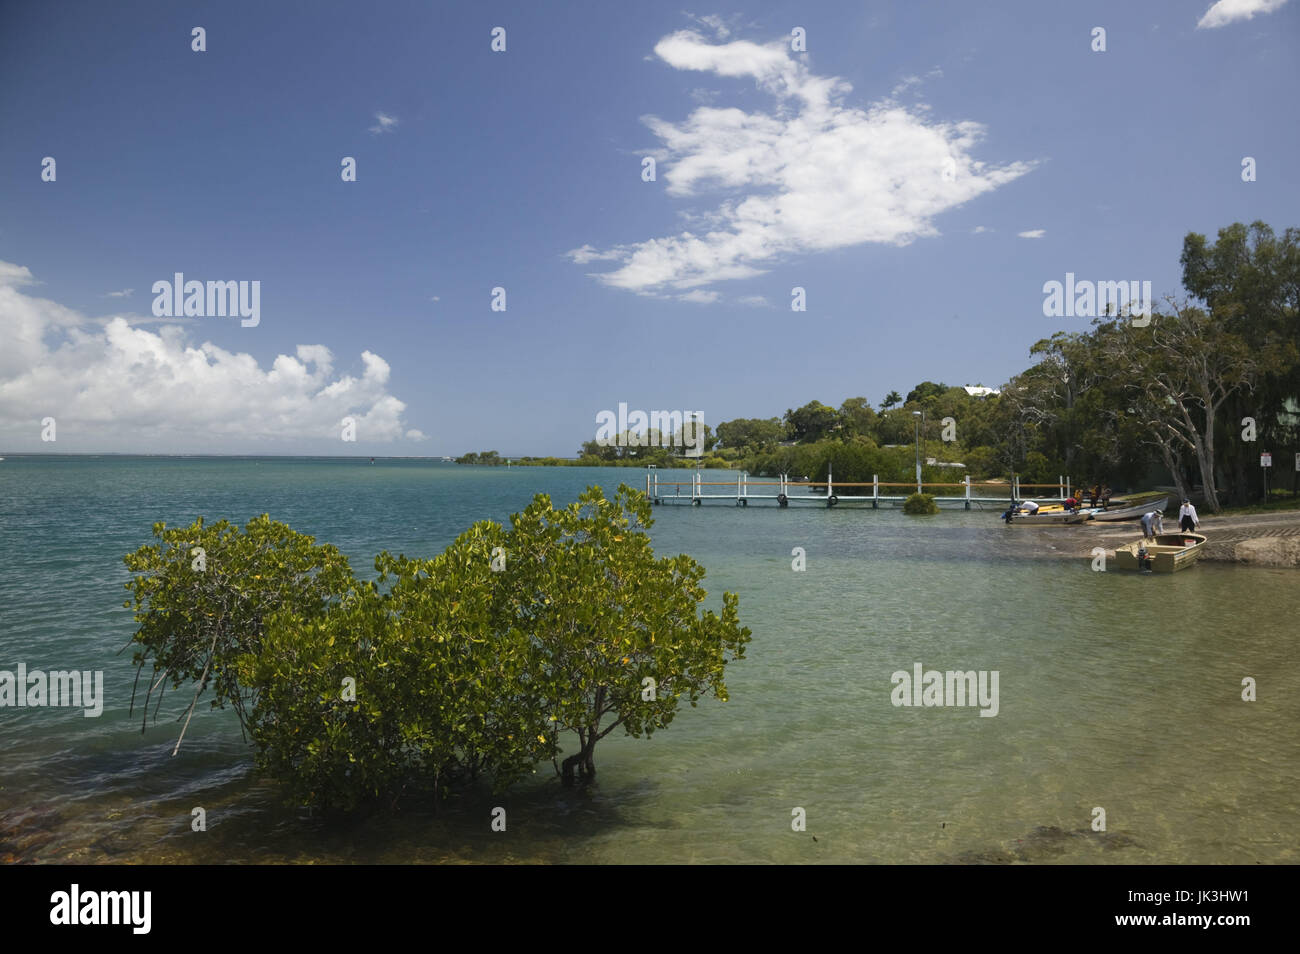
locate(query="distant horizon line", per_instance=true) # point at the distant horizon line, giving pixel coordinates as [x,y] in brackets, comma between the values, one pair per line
[442,458]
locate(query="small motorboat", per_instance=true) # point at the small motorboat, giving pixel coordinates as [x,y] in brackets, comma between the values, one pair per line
[1047,516]
[1169,552]
[1131,511]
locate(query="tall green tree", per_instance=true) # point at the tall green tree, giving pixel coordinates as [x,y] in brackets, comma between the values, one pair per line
[924,390]
[857,418]
[1183,369]
[811,422]
[1249,279]
[752,434]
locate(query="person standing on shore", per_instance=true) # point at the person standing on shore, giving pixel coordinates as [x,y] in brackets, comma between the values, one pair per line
[1187,518]
[1152,523]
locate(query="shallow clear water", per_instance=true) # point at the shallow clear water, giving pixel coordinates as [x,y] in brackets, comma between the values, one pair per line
[1115,691]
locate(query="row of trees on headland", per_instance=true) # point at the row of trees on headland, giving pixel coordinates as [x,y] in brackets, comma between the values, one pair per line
[498,654]
[1192,397]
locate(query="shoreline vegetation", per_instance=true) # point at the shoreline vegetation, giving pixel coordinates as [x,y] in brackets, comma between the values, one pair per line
[1189,396]
[473,667]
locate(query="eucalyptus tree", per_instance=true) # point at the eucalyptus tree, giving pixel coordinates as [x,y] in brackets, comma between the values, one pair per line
[1180,371]
[1249,279]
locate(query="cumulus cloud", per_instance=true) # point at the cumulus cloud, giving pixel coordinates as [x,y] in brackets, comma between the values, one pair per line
[701,296]
[815,174]
[130,387]
[1230,11]
[1032,233]
[124,293]
[754,301]
[979,229]
[383,123]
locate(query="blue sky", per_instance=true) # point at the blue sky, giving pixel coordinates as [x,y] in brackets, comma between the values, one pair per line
[890,171]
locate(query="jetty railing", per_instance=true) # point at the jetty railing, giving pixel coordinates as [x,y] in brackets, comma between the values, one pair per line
[784,491]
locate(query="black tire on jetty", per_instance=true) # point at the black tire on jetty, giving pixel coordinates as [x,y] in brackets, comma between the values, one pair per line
[782,500]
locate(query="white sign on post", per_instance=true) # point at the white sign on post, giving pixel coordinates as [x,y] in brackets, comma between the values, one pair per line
[1266,459]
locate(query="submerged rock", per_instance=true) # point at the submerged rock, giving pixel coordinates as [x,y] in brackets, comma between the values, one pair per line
[1268,551]
[24,831]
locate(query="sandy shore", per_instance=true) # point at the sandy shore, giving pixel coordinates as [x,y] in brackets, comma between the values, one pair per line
[1264,539]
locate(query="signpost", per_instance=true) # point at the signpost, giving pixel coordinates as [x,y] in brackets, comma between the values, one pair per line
[1265,461]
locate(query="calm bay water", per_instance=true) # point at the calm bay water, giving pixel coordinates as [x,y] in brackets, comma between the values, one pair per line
[1116,691]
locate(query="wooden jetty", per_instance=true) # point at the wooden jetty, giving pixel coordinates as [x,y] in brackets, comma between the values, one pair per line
[784,492]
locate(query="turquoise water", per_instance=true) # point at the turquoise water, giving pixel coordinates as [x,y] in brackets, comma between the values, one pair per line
[1115,691]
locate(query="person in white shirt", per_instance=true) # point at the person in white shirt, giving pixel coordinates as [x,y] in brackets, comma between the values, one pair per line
[1028,506]
[1152,523]
[1187,518]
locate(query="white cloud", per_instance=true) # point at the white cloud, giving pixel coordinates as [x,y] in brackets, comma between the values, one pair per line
[812,176]
[908,82]
[715,23]
[15,276]
[588,254]
[701,296]
[979,229]
[1230,11]
[1032,233]
[124,293]
[754,301]
[905,84]
[385,123]
[118,386]
[435,298]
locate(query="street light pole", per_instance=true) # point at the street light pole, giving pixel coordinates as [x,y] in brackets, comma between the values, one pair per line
[917,415]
